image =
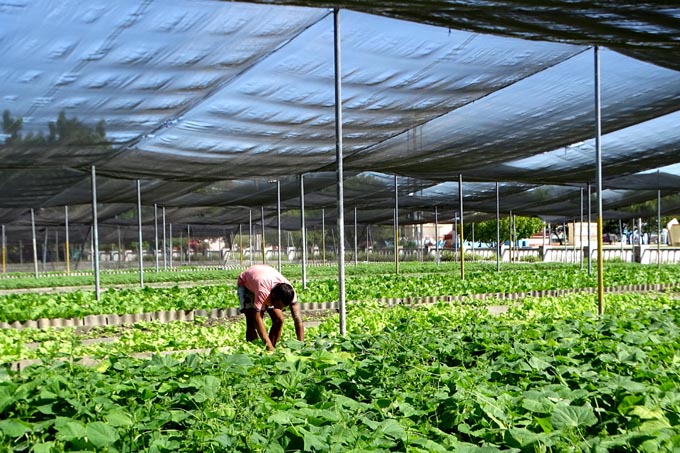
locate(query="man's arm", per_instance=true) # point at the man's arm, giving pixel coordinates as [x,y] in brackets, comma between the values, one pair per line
[297,321]
[262,331]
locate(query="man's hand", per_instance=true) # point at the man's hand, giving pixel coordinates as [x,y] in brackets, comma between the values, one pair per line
[262,331]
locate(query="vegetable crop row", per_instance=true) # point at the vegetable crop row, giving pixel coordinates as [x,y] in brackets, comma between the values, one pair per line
[25,306]
[434,378]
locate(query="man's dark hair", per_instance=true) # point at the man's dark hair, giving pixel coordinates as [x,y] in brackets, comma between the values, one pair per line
[283,292]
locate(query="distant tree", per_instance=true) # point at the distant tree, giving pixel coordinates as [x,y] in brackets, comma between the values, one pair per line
[64,131]
[486,231]
[11,127]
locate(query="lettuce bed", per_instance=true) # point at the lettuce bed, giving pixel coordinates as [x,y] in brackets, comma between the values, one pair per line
[441,377]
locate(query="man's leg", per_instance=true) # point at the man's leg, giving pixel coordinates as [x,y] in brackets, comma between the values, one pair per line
[277,325]
[245,298]
[251,331]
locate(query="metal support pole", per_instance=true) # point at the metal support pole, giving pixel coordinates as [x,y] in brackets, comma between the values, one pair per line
[462,239]
[155,235]
[323,236]
[278,220]
[95,234]
[35,245]
[171,248]
[4,251]
[396,225]
[44,251]
[658,227]
[120,247]
[264,244]
[338,150]
[240,246]
[473,241]
[356,243]
[250,236]
[621,239]
[590,247]
[303,232]
[139,232]
[188,244]
[498,230]
[510,220]
[436,235]
[67,253]
[580,234]
[454,234]
[566,240]
[165,245]
[598,173]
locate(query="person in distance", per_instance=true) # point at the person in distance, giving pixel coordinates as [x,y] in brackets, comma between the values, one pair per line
[262,288]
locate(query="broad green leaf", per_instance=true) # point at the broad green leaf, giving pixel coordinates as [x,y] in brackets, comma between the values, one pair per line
[543,406]
[654,425]
[522,437]
[647,413]
[393,429]
[573,417]
[118,418]
[629,402]
[101,434]
[14,427]
[313,442]
[68,429]
[43,447]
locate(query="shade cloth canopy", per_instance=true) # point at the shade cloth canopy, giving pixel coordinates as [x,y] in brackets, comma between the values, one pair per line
[208,102]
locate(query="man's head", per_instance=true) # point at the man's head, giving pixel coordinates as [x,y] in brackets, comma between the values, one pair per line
[282,295]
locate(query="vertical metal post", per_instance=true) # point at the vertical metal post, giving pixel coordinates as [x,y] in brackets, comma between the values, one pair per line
[240,246]
[155,235]
[44,250]
[339,158]
[566,240]
[165,245]
[590,248]
[543,235]
[473,242]
[188,244]
[436,235]
[454,234]
[95,233]
[580,234]
[278,220]
[67,253]
[598,172]
[171,249]
[356,243]
[139,233]
[4,251]
[250,236]
[658,227]
[462,238]
[621,239]
[396,224]
[181,247]
[368,240]
[264,244]
[498,229]
[323,236]
[303,231]
[35,245]
[510,220]
[56,246]
[120,247]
